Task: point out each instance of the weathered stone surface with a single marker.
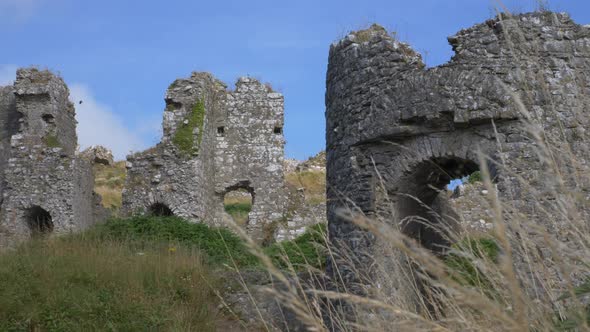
(45, 187)
(98, 155)
(395, 128)
(290, 165)
(306, 199)
(240, 146)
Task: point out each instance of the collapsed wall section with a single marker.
(214, 141)
(9, 124)
(172, 172)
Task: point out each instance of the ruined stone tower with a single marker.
(397, 132)
(44, 187)
(214, 141)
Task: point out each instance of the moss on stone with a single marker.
(183, 138)
(51, 141)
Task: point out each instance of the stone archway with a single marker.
(39, 221)
(238, 202)
(160, 210)
(422, 206)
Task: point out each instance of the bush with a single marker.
(218, 244)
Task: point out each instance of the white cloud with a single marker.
(7, 73)
(99, 125)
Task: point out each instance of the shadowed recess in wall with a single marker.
(39, 221)
(423, 208)
(160, 210)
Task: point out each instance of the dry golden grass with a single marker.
(109, 182)
(311, 182)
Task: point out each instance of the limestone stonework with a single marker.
(236, 143)
(397, 131)
(44, 186)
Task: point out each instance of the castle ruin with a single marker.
(398, 132)
(44, 187)
(214, 142)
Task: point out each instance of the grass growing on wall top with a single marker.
(183, 137)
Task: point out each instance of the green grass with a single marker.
(138, 274)
(219, 245)
(462, 265)
(89, 283)
(183, 138)
(474, 177)
(239, 211)
(306, 250)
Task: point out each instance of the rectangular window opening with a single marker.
(278, 130)
(221, 131)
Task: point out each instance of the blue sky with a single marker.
(120, 56)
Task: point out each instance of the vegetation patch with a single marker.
(183, 138)
(87, 282)
(142, 273)
(307, 250)
(219, 245)
(109, 181)
(51, 141)
(238, 204)
(313, 184)
(239, 211)
(474, 177)
(462, 262)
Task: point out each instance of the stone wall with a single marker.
(397, 131)
(237, 143)
(46, 188)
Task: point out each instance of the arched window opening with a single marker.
(39, 221)
(160, 210)
(423, 206)
(238, 202)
